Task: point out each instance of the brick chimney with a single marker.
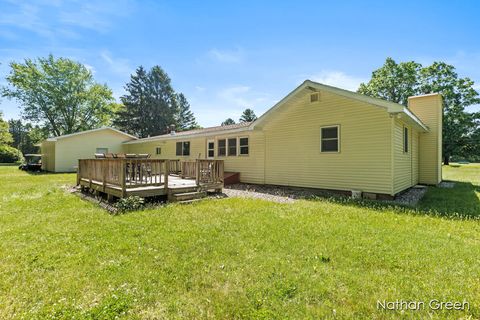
(429, 109)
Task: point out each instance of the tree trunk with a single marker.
(446, 160)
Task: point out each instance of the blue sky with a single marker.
(227, 56)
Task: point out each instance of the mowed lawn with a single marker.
(63, 258)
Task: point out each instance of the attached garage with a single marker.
(61, 154)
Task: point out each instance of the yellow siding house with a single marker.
(322, 137)
(319, 137)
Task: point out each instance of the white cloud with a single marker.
(26, 16)
(227, 102)
(53, 18)
(90, 68)
(227, 56)
(338, 79)
(117, 65)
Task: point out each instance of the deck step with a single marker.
(178, 190)
(188, 196)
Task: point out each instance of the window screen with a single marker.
(329, 137)
(405, 139)
(243, 146)
(232, 146)
(222, 148)
(211, 149)
(182, 148)
(179, 149)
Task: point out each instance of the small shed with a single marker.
(61, 154)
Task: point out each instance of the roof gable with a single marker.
(390, 107)
(90, 131)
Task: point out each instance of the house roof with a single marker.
(391, 107)
(89, 131)
(242, 126)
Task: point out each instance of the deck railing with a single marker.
(124, 173)
(134, 173)
(209, 171)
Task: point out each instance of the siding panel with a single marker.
(293, 154)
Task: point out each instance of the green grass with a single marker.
(64, 258)
(462, 200)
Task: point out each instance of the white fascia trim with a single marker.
(391, 107)
(188, 136)
(88, 131)
(415, 119)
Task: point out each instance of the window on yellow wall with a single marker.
(158, 150)
(232, 146)
(243, 142)
(182, 148)
(329, 137)
(222, 148)
(405, 139)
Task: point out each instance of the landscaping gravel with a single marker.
(411, 196)
(289, 195)
(271, 193)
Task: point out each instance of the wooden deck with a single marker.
(150, 177)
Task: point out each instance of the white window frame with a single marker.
(160, 148)
(96, 150)
(240, 146)
(218, 147)
(338, 138)
(208, 150)
(228, 147)
(182, 142)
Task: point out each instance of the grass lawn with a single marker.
(63, 258)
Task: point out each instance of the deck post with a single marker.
(78, 172)
(197, 172)
(122, 178)
(104, 173)
(90, 174)
(167, 169)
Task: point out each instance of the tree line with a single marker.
(60, 96)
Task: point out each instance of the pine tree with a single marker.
(185, 119)
(248, 116)
(227, 122)
(151, 105)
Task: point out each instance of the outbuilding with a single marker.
(61, 154)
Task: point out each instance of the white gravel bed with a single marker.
(411, 196)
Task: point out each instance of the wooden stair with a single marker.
(186, 194)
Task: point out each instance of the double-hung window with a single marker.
(222, 148)
(330, 139)
(183, 148)
(243, 142)
(232, 146)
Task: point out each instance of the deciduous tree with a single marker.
(60, 94)
(396, 82)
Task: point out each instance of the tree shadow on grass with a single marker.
(463, 199)
(460, 202)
